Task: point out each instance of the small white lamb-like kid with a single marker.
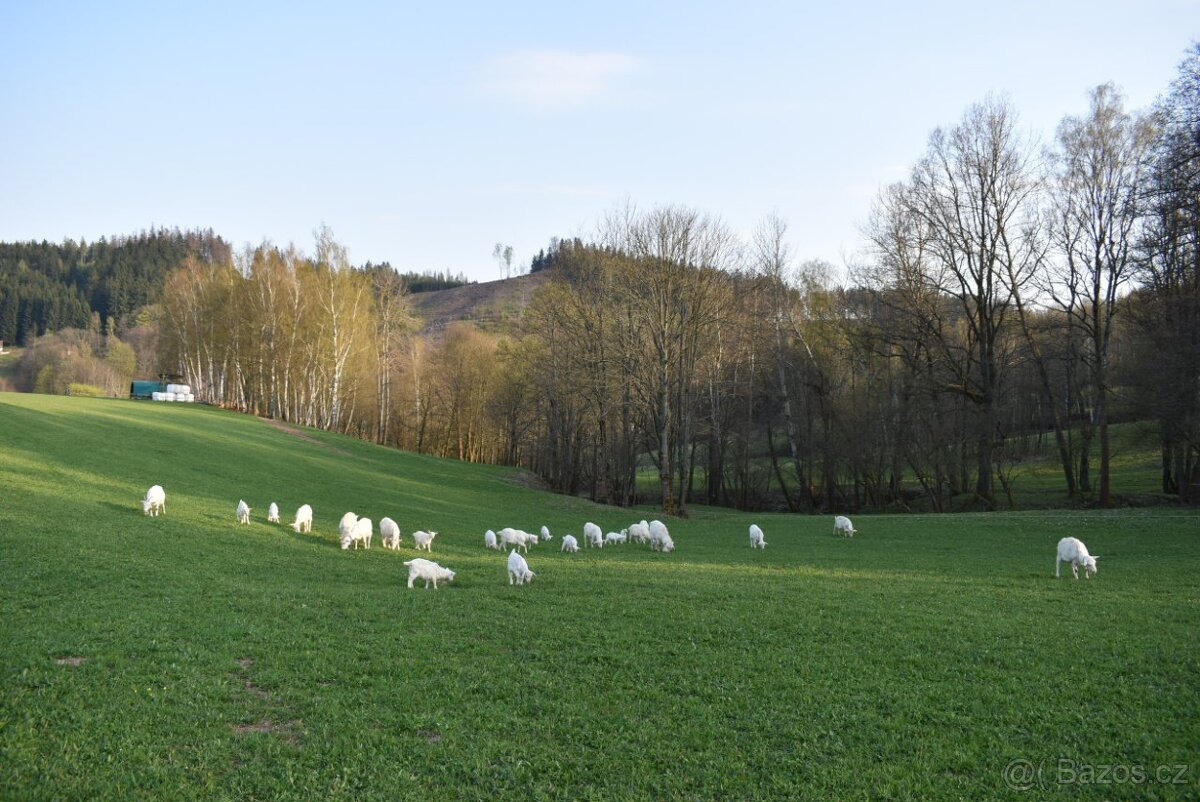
(243, 512)
(429, 571)
(546, 533)
(273, 513)
(346, 525)
(423, 540)
(756, 537)
(569, 543)
(361, 533)
(1071, 550)
(592, 535)
(489, 540)
(614, 537)
(842, 526)
(389, 533)
(518, 569)
(155, 501)
(303, 522)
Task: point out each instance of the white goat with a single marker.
(1071, 550)
(756, 537)
(658, 535)
(429, 571)
(303, 522)
(346, 525)
(155, 501)
(516, 537)
(518, 569)
(615, 537)
(389, 533)
(361, 533)
(546, 533)
(592, 535)
(640, 532)
(273, 513)
(569, 543)
(842, 526)
(423, 540)
(243, 512)
(489, 540)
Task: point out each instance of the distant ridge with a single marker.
(494, 306)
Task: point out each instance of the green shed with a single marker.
(145, 389)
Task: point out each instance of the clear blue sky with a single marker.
(423, 134)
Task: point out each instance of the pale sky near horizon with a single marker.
(424, 134)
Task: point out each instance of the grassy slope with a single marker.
(224, 662)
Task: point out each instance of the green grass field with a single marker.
(187, 657)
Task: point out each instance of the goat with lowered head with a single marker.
(304, 516)
(155, 501)
(1071, 550)
(518, 569)
(429, 571)
(360, 533)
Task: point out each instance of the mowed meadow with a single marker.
(188, 657)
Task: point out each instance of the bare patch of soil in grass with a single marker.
(70, 661)
(303, 435)
(287, 730)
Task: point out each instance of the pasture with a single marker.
(187, 657)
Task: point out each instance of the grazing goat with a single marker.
(273, 513)
(516, 537)
(429, 571)
(659, 535)
(346, 525)
(1071, 550)
(518, 569)
(489, 540)
(423, 540)
(155, 501)
(243, 512)
(756, 537)
(592, 535)
(389, 533)
(569, 543)
(303, 522)
(546, 533)
(640, 532)
(361, 533)
(615, 537)
(842, 526)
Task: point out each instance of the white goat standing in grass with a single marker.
(569, 544)
(489, 540)
(273, 513)
(346, 525)
(243, 512)
(304, 518)
(1071, 550)
(592, 535)
(842, 526)
(155, 501)
(361, 533)
(546, 533)
(429, 571)
(389, 533)
(423, 540)
(518, 569)
(756, 537)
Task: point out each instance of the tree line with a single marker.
(1007, 293)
